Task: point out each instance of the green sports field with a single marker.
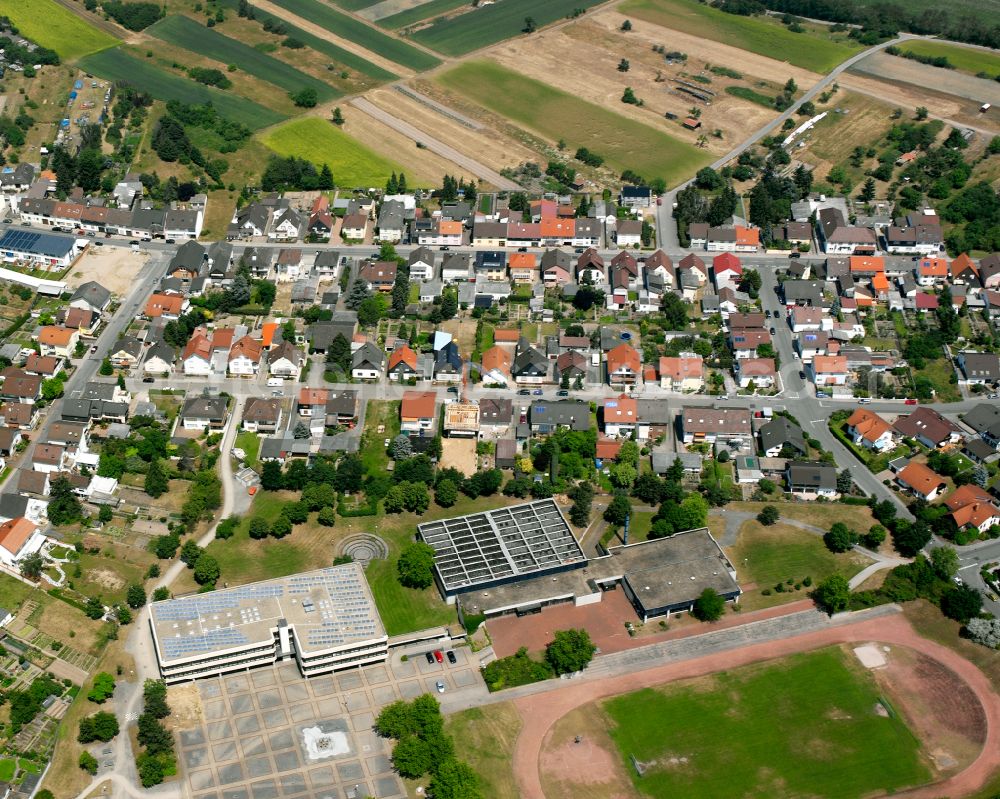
(185, 32)
(494, 23)
(50, 25)
(354, 30)
(965, 59)
(118, 65)
(419, 13)
(622, 142)
(802, 726)
(765, 36)
(322, 142)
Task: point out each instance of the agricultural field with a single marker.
(354, 5)
(50, 25)
(419, 13)
(184, 32)
(118, 65)
(966, 59)
(623, 143)
(817, 52)
(321, 142)
(986, 10)
(490, 24)
(805, 725)
(363, 35)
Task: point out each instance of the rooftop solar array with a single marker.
(326, 608)
(17, 240)
(502, 544)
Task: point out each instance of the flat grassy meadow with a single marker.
(117, 65)
(363, 35)
(322, 142)
(490, 24)
(964, 59)
(50, 25)
(805, 725)
(765, 36)
(622, 142)
(184, 32)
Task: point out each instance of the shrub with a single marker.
(984, 631)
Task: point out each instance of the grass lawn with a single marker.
(484, 738)
(939, 372)
(746, 93)
(493, 23)
(7, 766)
(117, 65)
(354, 30)
(624, 143)
(765, 556)
(13, 593)
(322, 142)
(420, 13)
(964, 59)
(801, 726)
(53, 26)
(378, 413)
(638, 528)
(185, 32)
(250, 444)
(762, 35)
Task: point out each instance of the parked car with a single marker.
(537, 392)
(821, 395)
(767, 314)
(562, 393)
(524, 393)
(772, 331)
(912, 401)
(429, 656)
(148, 380)
(438, 656)
(865, 400)
(794, 255)
(440, 686)
(802, 375)
(452, 389)
(994, 396)
(170, 241)
(451, 657)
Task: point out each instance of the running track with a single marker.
(541, 711)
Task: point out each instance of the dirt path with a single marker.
(541, 711)
(323, 33)
(434, 145)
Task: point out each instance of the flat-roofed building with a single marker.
(461, 419)
(324, 619)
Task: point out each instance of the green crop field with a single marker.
(965, 59)
(746, 93)
(330, 50)
(321, 142)
(50, 25)
(118, 65)
(354, 30)
(622, 142)
(494, 23)
(185, 32)
(354, 5)
(987, 11)
(764, 36)
(801, 726)
(419, 13)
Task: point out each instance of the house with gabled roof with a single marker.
(262, 414)
(530, 365)
(921, 481)
(418, 411)
(244, 357)
(973, 507)
(964, 271)
(928, 427)
(196, 357)
(620, 415)
(285, 360)
(867, 429)
(402, 363)
(624, 366)
(496, 363)
(590, 268)
(367, 362)
(682, 373)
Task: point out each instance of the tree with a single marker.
(874, 537)
(206, 570)
(401, 447)
(867, 193)
(618, 510)
(135, 597)
(156, 482)
(623, 475)
(415, 567)
(271, 478)
(921, 114)
(623, 65)
(301, 430)
(985, 632)
(102, 689)
(94, 608)
(844, 482)
(626, 26)
(833, 594)
(790, 86)
(945, 562)
(768, 515)
(628, 96)
(101, 726)
(88, 762)
(909, 539)
(960, 602)
(840, 538)
(64, 507)
(648, 488)
(446, 493)
(153, 735)
(412, 757)
(150, 771)
(709, 606)
(327, 517)
(281, 527)
(454, 779)
(570, 651)
(106, 368)
(105, 514)
(259, 528)
(582, 496)
(305, 98)
(32, 565)
(154, 698)
(530, 26)
(190, 553)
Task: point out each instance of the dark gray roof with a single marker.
(528, 360)
(94, 294)
(368, 354)
(984, 418)
(212, 408)
(575, 415)
(447, 359)
(809, 474)
(779, 432)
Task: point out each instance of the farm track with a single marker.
(435, 145)
(542, 710)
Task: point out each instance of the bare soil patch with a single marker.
(114, 268)
(590, 769)
(106, 579)
(185, 705)
(459, 453)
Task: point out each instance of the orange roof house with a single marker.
(246, 347)
(506, 336)
(198, 345)
(620, 410)
(164, 305)
(448, 227)
(932, 267)
(497, 359)
(963, 263)
(267, 332)
(556, 228)
(313, 396)
(608, 449)
(830, 364)
(403, 355)
(522, 260)
(418, 405)
(747, 236)
(56, 336)
(880, 283)
(867, 264)
(15, 533)
(868, 424)
(921, 480)
(971, 506)
(624, 358)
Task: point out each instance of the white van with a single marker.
(275, 381)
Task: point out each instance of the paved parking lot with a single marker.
(250, 743)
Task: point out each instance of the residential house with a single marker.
(523, 268)
(964, 271)
(159, 360)
(355, 227)
(495, 416)
(707, 425)
(457, 268)
(448, 364)
(588, 232)
(915, 235)
(496, 366)
(628, 233)
(866, 428)
(621, 415)
(572, 366)
(91, 296)
(624, 367)
(804, 318)
(748, 343)
(402, 363)
(196, 357)
(624, 271)
(745, 321)
(249, 221)
(989, 271)
(418, 412)
(262, 414)
(973, 507)
(10, 438)
(45, 366)
(836, 237)
(367, 362)
(285, 360)
(929, 428)
(19, 538)
(378, 275)
(244, 357)
(590, 268)
(341, 408)
(19, 415)
(984, 419)
(49, 458)
(58, 341)
(312, 402)
(782, 435)
(201, 413)
(19, 386)
(979, 368)
(555, 268)
(286, 225)
(422, 263)
(809, 479)
(530, 366)
(727, 271)
(546, 416)
(391, 221)
(828, 370)
(635, 197)
(126, 352)
(755, 372)
(920, 481)
(168, 306)
(931, 271)
(683, 373)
